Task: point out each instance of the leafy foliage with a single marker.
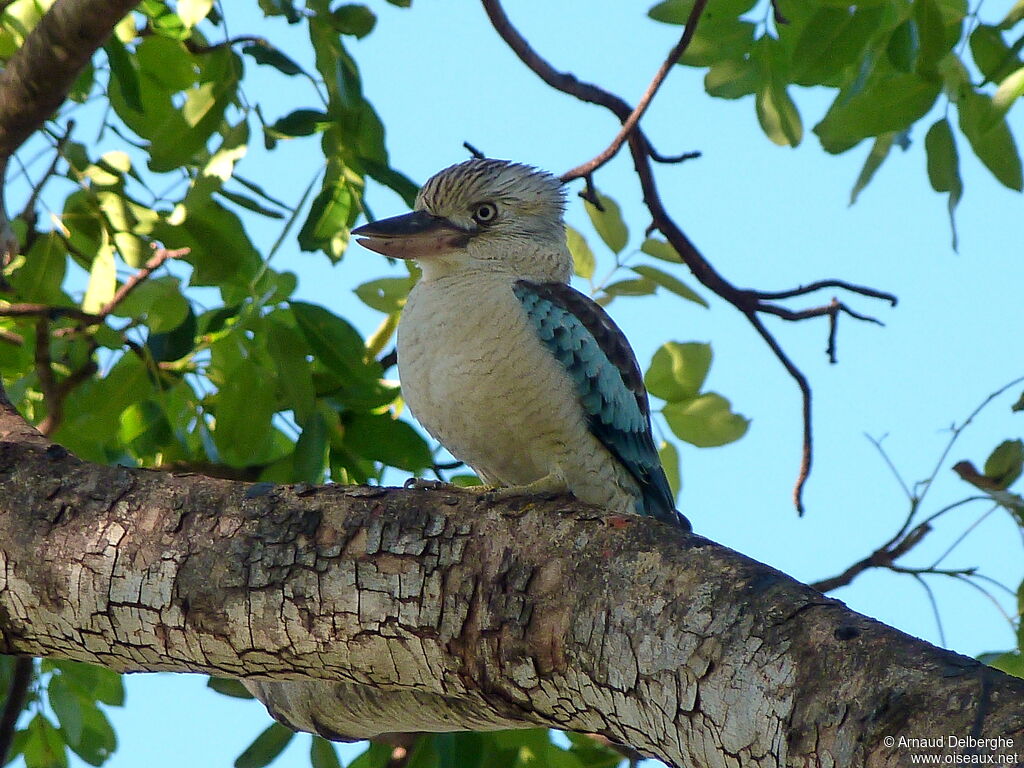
(888, 64)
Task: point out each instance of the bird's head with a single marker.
(478, 215)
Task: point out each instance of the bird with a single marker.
(516, 373)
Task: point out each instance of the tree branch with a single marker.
(37, 78)
(354, 611)
(588, 168)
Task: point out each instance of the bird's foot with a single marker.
(548, 487)
(422, 484)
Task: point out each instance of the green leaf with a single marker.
(330, 216)
(262, 52)
(98, 740)
(102, 281)
(734, 78)
(994, 57)
(990, 138)
(902, 47)
(776, 111)
(244, 407)
(322, 754)
(334, 341)
(640, 286)
(158, 302)
(43, 746)
(175, 343)
(668, 455)
(678, 371)
(608, 222)
(92, 681)
(659, 249)
(300, 122)
(379, 437)
(583, 261)
(670, 283)
(678, 11)
(221, 252)
(65, 704)
(705, 421)
(931, 33)
(944, 167)
(39, 275)
(353, 19)
(879, 152)
(1004, 464)
(144, 428)
(889, 102)
(377, 755)
(288, 349)
(124, 73)
(386, 294)
(229, 686)
(310, 456)
(832, 40)
(267, 746)
(720, 33)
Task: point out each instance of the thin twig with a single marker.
(587, 169)
(51, 312)
(935, 607)
(157, 260)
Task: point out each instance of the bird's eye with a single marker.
(485, 213)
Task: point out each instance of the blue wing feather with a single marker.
(598, 359)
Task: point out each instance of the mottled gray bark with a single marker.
(396, 610)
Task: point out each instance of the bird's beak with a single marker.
(415, 235)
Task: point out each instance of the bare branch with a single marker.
(587, 169)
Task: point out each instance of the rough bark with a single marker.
(37, 78)
(402, 610)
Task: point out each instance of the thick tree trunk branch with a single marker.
(420, 610)
(37, 78)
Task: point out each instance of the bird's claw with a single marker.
(422, 484)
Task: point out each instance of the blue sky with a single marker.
(767, 218)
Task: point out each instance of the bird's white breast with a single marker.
(477, 377)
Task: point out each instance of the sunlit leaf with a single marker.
(705, 421)
(668, 454)
(102, 281)
(608, 222)
(583, 260)
(670, 283)
(677, 371)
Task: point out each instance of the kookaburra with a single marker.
(517, 374)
